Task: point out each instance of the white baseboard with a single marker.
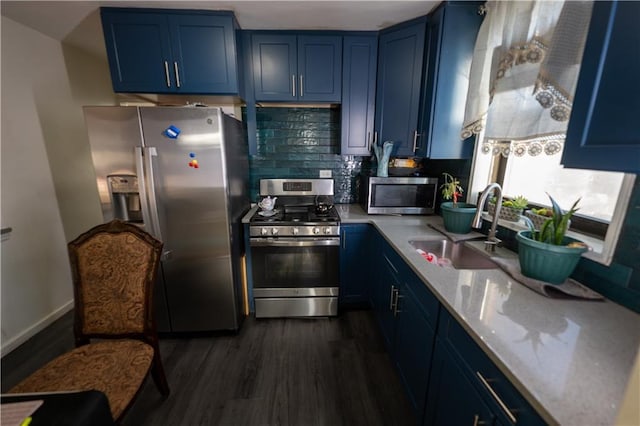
(16, 341)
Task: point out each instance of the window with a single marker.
(604, 196)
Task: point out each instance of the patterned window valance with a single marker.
(523, 75)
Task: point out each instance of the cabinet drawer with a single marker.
(497, 391)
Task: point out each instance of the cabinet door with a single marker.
(359, 66)
(355, 264)
(398, 87)
(451, 37)
(138, 49)
(414, 347)
(453, 400)
(319, 68)
(385, 284)
(275, 67)
(603, 133)
(204, 54)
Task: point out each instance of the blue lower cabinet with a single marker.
(355, 264)
(453, 400)
(414, 347)
(460, 373)
(405, 309)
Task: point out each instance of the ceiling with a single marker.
(77, 23)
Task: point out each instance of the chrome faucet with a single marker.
(492, 241)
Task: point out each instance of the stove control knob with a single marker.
(327, 230)
(274, 231)
(316, 230)
(295, 231)
(263, 231)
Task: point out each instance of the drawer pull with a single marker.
(495, 396)
(477, 421)
(392, 298)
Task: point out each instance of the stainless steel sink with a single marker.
(458, 255)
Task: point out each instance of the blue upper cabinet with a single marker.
(400, 54)
(275, 67)
(298, 68)
(359, 65)
(451, 35)
(168, 51)
(603, 132)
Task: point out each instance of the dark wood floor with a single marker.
(329, 371)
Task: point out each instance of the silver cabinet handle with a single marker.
(175, 68)
(395, 307)
(477, 421)
(415, 140)
(495, 396)
(344, 241)
(301, 85)
(392, 298)
(375, 138)
(293, 85)
(166, 73)
(368, 141)
(391, 264)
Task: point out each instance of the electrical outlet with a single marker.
(325, 173)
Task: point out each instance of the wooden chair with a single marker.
(114, 267)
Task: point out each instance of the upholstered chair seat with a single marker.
(116, 368)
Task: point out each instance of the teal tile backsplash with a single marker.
(298, 143)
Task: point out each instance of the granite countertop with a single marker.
(571, 359)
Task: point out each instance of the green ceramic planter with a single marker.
(458, 219)
(546, 262)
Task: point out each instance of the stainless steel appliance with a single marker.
(295, 250)
(180, 173)
(398, 195)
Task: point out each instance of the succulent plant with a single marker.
(553, 229)
(518, 202)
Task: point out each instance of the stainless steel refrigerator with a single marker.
(182, 174)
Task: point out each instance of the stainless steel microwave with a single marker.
(398, 195)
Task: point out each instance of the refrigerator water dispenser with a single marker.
(125, 197)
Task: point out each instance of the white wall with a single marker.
(48, 193)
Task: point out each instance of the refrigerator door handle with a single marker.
(142, 188)
(149, 153)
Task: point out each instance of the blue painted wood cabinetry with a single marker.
(451, 35)
(407, 313)
(466, 387)
(359, 64)
(453, 400)
(303, 68)
(355, 264)
(400, 54)
(171, 51)
(603, 130)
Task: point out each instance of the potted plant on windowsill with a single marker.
(548, 254)
(511, 209)
(457, 216)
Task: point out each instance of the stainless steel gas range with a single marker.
(295, 250)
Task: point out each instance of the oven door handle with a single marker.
(294, 242)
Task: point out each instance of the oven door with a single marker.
(295, 276)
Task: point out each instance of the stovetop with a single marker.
(295, 215)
